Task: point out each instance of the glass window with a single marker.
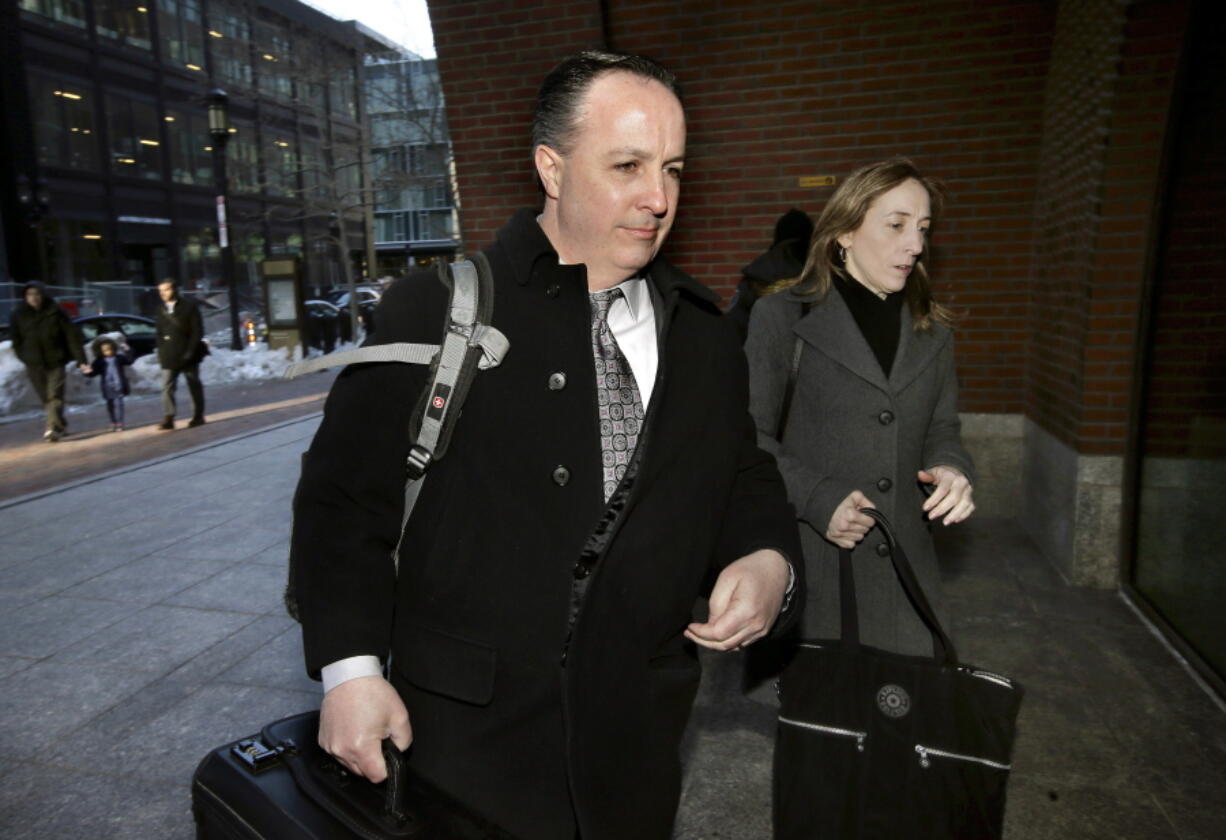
(71, 12)
(343, 85)
(135, 137)
(75, 252)
(138, 328)
(182, 33)
(280, 165)
(347, 172)
(191, 149)
(243, 159)
(311, 168)
(124, 21)
(64, 132)
(273, 60)
(230, 40)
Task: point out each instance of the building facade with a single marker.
(411, 163)
(110, 167)
(1080, 143)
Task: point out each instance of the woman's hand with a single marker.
(951, 497)
(848, 526)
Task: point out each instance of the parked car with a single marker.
(368, 299)
(139, 332)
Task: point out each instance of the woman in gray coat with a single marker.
(873, 419)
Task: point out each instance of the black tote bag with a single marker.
(875, 744)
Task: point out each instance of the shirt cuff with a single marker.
(351, 668)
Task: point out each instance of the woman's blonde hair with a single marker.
(845, 213)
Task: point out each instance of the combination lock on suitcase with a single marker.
(281, 785)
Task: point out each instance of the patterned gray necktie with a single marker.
(617, 394)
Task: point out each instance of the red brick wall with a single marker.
(981, 94)
(492, 55)
(1108, 93)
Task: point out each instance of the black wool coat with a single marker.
(45, 337)
(479, 617)
(180, 336)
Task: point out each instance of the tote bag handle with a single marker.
(942, 647)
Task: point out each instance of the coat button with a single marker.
(582, 570)
(552, 289)
(884, 485)
(885, 418)
(561, 476)
(557, 381)
(883, 549)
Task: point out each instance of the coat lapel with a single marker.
(830, 328)
(915, 352)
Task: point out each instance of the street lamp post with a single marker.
(219, 130)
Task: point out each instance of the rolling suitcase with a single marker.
(281, 785)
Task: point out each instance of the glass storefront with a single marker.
(1181, 459)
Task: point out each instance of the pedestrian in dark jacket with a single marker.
(180, 348)
(45, 340)
(109, 364)
(782, 261)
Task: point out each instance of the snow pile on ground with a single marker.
(222, 366)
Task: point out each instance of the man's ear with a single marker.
(549, 168)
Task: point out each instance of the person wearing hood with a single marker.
(782, 261)
(45, 340)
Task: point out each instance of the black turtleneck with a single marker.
(879, 320)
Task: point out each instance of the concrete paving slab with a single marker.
(277, 664)
(147, 580)
(48, 700)
(1042, 811)
(156, 639)
(10, 602)
(44, 802)
(59, 570)
(248, 587)
(225, 653)
(276, 554)
(53, 623)
(170, 745)
(14, 664)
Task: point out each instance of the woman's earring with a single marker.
(842, 254)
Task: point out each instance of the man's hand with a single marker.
(952, 495)
(85, 369)
(744, 602)
(847, 525)
(354, 719)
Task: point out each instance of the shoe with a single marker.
(119, 427)
(168, 423)
(47, 434)
(195, 421)
(52, 437)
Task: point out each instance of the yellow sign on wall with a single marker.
(816, 180)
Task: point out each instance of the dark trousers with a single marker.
(170, 381)
(114, 407)
(48, 383)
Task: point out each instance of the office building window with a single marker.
(273, 60)
(200, 258)
(64, 132)
(191, 149)
(230, 41)
(280, 165)
(182, 33)
(311, 167)
(124, 21)
(347, 171)
(135, 137)
(243, 159)
(75, 252)
(71, 12)
(344, 99)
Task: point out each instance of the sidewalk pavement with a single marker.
(141, 625)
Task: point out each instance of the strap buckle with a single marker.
(418, 462)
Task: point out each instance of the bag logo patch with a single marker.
(893, 701)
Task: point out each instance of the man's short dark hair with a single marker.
(553, 123)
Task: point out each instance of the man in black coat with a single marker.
(539, 626)
(45, 340)
(180, 342)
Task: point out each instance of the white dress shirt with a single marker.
(632, 320)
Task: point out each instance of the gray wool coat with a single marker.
(851, 428)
